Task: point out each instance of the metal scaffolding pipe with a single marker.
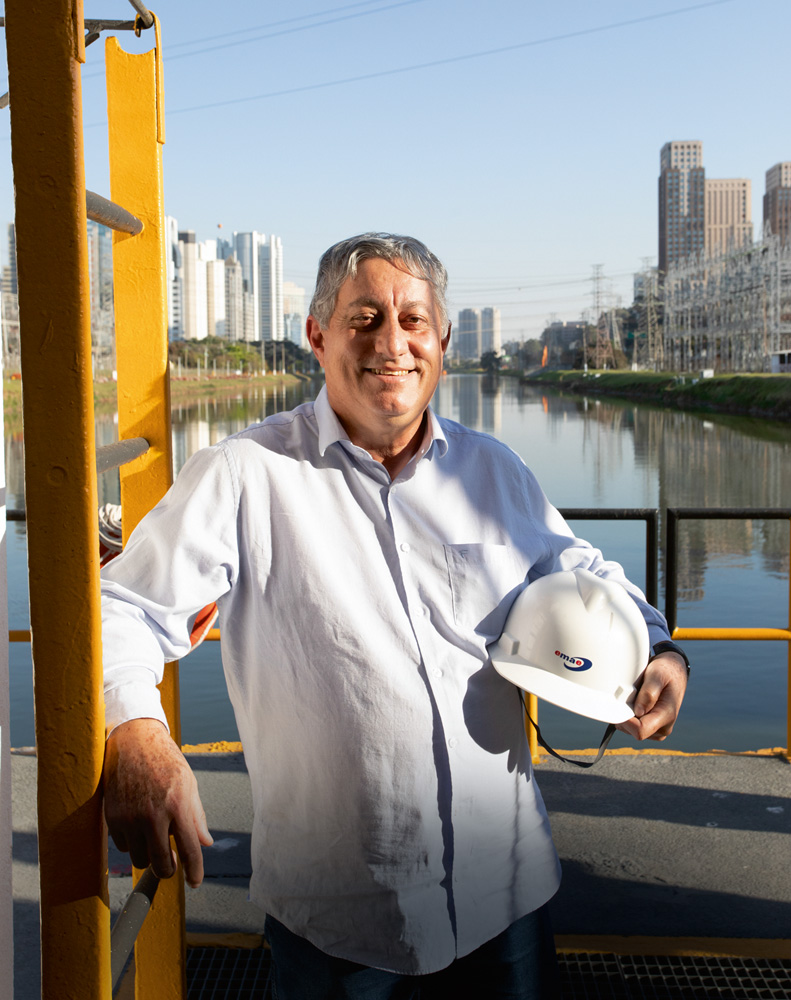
(113, 216)
(145, 14)
(130, 920)
(112, 455)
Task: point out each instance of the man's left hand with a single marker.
(659, 698)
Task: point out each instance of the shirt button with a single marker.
(452, 742)
(436, 672)
(405, 546)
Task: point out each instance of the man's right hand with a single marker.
(150, 793)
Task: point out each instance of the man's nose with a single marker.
(391, 338)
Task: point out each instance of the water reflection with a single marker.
(604, 453)
(586, 453)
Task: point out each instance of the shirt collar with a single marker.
(331, 429)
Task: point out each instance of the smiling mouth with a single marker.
(390, 371)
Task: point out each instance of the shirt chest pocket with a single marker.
(484, 580)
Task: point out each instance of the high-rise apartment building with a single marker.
(225, 288)
(234, 299)
(9, 271)
(681, 201)
(728, 214)
(175, 290)
(247, 248)
(491, 335)
(777, 201)
(270, 286)
(215, 297)
(193, 285)
(468, 338)
(9, 301)
(294, 313)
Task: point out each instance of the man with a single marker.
(363, 554)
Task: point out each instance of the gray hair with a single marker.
(341, 261)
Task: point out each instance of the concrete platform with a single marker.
(652, 845)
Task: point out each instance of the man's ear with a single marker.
(315, 338)
(446, 339)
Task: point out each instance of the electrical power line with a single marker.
(274, 34)
(483, 53)
(274, 24)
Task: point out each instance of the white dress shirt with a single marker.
(397, 820)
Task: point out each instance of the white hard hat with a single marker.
(577, 641)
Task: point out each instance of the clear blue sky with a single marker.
(521, 166)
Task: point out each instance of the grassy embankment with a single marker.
(747, 395)
(183, 390)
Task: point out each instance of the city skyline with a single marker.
(571, 101)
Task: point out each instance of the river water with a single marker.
(586, 452)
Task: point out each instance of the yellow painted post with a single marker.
(136, 134)
(532, 739)
(45, 48)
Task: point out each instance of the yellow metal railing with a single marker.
(45, 46)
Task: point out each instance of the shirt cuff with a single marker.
(134, 699)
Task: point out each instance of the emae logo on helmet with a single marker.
(574, 662)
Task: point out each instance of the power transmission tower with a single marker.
(602, 354)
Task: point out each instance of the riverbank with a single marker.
(182, 390)
(744, 395)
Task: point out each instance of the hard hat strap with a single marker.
(608, 734)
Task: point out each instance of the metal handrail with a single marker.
(676, 514)
(648, 514)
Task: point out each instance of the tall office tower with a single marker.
(234, 299)
(270, 289)
(777, 201)
(294, 313)
(215, 297)
(175, 290)
(681, 202)
(468, 340)
(224, 248)
(247, 247)
(728, 214)
(491, 337)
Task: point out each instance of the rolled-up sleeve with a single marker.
(182, 556)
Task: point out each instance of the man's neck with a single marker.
(394, 455)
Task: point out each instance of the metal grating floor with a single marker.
(243, 974)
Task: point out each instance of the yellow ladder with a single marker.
(46, 45)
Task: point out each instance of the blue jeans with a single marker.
(519, 964)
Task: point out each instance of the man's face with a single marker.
(382, 354)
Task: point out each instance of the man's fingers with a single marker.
(659, 699)
(189, 848)
(160, 856)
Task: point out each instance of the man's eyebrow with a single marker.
(364, 300)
